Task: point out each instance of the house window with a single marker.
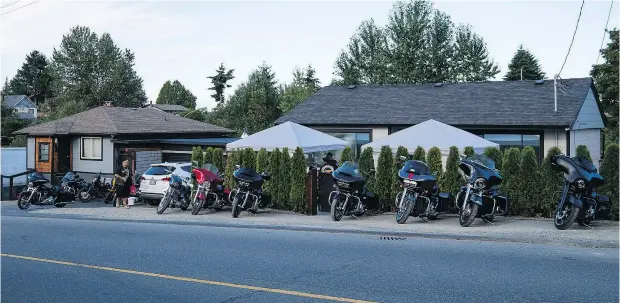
(44, 152)
(356, 139)
(31, 111)
(519, 141)
(91, 148)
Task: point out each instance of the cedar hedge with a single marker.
(262, 160)
(609, 171)
(451, 180)
(216, 158)
(297, 194)
(468, 151)
(419, 154)
(271, 187)
(367, 166)
(284, 182)
(208, 158)
(528, 183)
(397, 165)
(433, 159)
(494, 154)
(346, 155)
(383, 183)
(582, 151)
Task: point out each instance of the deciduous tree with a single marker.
(175, 93)
(606, 80)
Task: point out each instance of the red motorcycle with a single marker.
(210, 189)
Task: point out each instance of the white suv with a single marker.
(155, 180)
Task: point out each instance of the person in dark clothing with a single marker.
(123, 183)
(329, 160)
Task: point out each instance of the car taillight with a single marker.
(166, 179)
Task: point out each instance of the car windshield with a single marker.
(158, 170)
(416, 167)
(482, 160)
(349, 168)
(210, 167)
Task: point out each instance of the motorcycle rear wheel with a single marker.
(164, 202)
(467, 219)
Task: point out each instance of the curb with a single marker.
(373, 232)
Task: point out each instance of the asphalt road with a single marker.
(208, 264)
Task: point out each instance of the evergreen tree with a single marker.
(529, 178)
(524, 66)
(175, 93)
(195, 114)
(434, 161)
(284, 181)
(383, 183)
(609, 171)
(297, 195)
(471, 60)
(216, 157)
(606, 80)
(551, 182)
(271, 187)
(419, 154)
(451, 180)
(397, 165)
(10, 121)
(582, 151)
(346, 155)
(220, 82)
(262, 160)
(232, 159)
(33, 79)
(510, 173)
(494, 154)
(197, 156)
(249, 158)
(367, 167)
(469, 151)
(208, 155)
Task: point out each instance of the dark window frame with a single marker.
(82, 149)
(356, 131)
(39, 159)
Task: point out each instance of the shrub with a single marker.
(609, 171)
(197, 156)
(582, 151)
(233, 158)
(494, 154)
(451, 180)
(297, 194)
(366, 166)
(419, 154)
(468, 151)
(284, 181)
(271, 187)
(433, 159)
(346, 155)
(262, 160)
(528, 183)
(249, 158)
(217, 158)
(396, 166)
(208, 155)
(510, 173)
(551, 183)
(384, 177)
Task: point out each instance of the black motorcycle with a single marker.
(178, 194)
(96, 189)
(249, 192)
(73, 184)
(351, 193)
(479, 198)
(38, 193)
(420, 196)
(579, 201)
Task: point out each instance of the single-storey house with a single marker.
(510, 113)
(169, 108)
(23, 106)
(98, 139)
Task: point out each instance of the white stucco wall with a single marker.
(380, 133)
(588, 137)
(550, 140)
(106, 165)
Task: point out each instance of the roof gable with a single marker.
(25, 102)
(480, 103)
(589, 115)
(13, 100)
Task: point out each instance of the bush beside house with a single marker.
(451, 181)
(433, 159)
(217, 158)
(271, 187)
(528, 181)
(297, 194)
(232, 160)
(510, 174)
(397, 165)
(419, 154)
(284, 182)
(494, 154)
(262, 160)
(609, 171)
(468, 151)
(582, 151)
(367, 166)
(346, 155)
(208, 156)
(551, 182)
(383, 183)
(249, 158)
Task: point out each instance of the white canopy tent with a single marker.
(430, 134)
(291, 135)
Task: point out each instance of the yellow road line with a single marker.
(148, 274)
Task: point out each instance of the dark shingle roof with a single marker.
(122, 120)
(481, 103)
(171, 107)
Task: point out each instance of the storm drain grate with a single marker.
(392, 238)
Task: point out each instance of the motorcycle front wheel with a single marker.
(336, 212)
(236, 208)
(402, 214)
(197, 205)
(468, 214)
(164, 202)
(24, 201)
(566, 216)
(84, 195)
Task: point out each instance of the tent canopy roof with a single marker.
(290, 135)
(430, 134)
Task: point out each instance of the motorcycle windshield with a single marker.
(585, 164)
(36, 176)
(482, 160)
(350, 169)
(416, 167)
(69, 177)
(210, 167)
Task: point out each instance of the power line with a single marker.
(31, 3)
(604, 33)
(10, 4)
(572, 40)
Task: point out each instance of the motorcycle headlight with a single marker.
(480, 183)
(412, 183)
(580, 184)
(30, 184)
(207, 184)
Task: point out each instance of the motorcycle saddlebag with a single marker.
(603, 208)
(503, 204)
(371, 201)
(446, 202)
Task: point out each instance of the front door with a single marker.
(62, 155)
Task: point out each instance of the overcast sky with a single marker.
(187, 40)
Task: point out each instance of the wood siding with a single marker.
(43, 167)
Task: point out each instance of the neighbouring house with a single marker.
(98, 139)
(510, 113)
(24, 107)
(169, 108)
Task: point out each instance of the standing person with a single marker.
(123, 182)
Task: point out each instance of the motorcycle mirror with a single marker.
(403, 158)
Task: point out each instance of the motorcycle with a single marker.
(111, 194)
(420, 196)
(479, 198)
(96, 189)
(38, 193)
(178, 194)
(73, 184)
(248, 194)
(579, 201)
(350, 194)
(210, 189)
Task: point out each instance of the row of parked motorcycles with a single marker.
(211, 194)
(479, 196)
